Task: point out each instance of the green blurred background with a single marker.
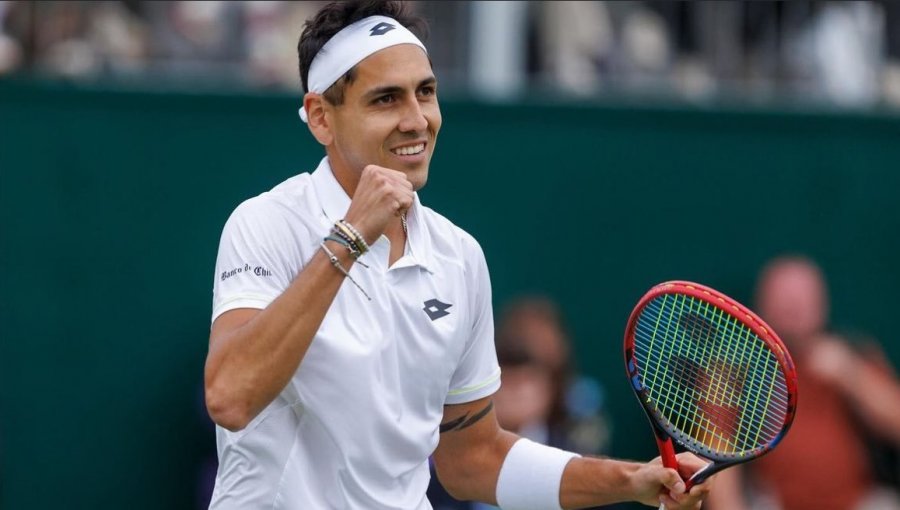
(112, 203)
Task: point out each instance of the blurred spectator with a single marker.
(576, 419)
(526, 397)
(846, 400)
(845, 53)
(10, 49)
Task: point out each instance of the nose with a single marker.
(414, 119)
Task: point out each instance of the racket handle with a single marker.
(667, 452)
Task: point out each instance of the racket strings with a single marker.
(709, 375)
(715, 404)
(722, 417)
(723, 371)
(715, 418)
(733, 375)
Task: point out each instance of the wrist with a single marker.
(341, 250)
(362, 228)
(344, 231)
(531, 476)
(632, 480)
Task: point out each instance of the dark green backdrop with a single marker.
(112, 204)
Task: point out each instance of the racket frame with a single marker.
(664, 439)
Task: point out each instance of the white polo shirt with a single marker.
(356, 424)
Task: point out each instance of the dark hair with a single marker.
(511, 328)
(332, 18)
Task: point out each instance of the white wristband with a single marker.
(531, 475)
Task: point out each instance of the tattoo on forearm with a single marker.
(464, 420)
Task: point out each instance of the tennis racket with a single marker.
(710, 375)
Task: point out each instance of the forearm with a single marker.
(588, 482)
(247, 367)
(877, 398)
(471, 474)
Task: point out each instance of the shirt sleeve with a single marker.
(253, 265)
(478, 374)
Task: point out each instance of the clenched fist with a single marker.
(381, 195)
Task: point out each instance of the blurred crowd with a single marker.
(845, 53)
(841, 452)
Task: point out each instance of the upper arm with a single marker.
(223, 329)
(227, 323)
(471, 450)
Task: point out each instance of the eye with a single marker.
(427, 90)
(385, 99)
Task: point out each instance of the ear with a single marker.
(316, 118)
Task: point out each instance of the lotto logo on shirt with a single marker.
(257, 270)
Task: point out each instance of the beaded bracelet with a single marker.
(343, 232)
(337, 232)
(357, 237)
(337, 264)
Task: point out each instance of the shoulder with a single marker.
(285, 212)
(289, 194)
(290, 197)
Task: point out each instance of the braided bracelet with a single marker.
(343, 241)
(337, 264)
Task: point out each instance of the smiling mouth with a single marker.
(410, 150)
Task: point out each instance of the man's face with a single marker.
(390, 116)
(792, 298)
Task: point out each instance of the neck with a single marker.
(346, 176)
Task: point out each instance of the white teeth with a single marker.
(408, 151)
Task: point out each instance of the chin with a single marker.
(418, 182)
(417, 175)
(420, 177)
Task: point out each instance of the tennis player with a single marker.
(352, 333)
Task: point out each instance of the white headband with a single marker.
(350, 46)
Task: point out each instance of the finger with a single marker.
(670, 504)
(699, 492)
(688, 464)
(369, 170)
(396, 175)
(692, 499)
(667, 503)
(672, 481)
(406, 198)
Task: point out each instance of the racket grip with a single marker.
(667, 452)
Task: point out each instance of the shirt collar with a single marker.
(335, 203)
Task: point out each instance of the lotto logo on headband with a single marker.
(381, 29)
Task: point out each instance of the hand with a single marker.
(834, 362)
(381, 195)
(658, 484)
